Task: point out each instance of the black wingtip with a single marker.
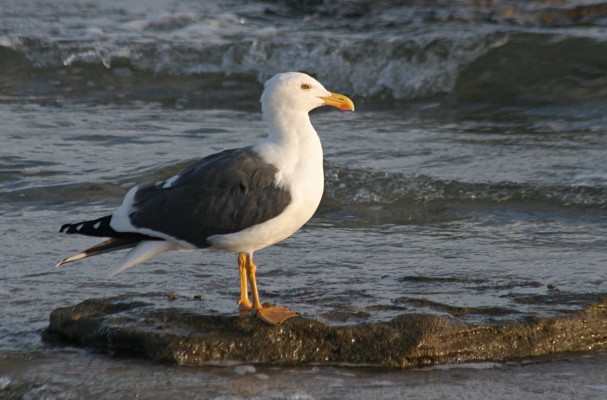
(99, 227)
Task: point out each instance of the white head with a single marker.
(296, 91)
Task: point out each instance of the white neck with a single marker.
(292, 144)
(286, 124)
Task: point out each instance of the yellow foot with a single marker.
(275, 315)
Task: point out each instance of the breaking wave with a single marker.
(474, 65)
(355, 186)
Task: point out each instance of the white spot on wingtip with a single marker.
(97, 225)
(169, 182)
(79, 227)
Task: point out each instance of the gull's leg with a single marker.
(251, 271)
(273, 315)
(244, 302)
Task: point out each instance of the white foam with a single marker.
(590, 179)
(244, 369)
(10, 42)
(94, 33)
(5, 381)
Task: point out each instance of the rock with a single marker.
(130, 324)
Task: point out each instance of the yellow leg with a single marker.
(244, 302)
(251, 271)
(271, 314)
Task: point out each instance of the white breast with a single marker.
(300, 163)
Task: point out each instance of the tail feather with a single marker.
(144, 246)
(110, 245)
(143, 251)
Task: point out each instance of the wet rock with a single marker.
(139, 325)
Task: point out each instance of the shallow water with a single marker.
(54, 377)
(470, 178)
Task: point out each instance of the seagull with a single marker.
(238, 200)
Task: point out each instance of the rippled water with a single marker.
(471, 181)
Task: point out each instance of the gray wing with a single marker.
(222, 193)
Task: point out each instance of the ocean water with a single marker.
(471, 181)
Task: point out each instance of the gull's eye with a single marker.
(306, 86)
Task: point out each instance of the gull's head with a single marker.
(300, 92)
